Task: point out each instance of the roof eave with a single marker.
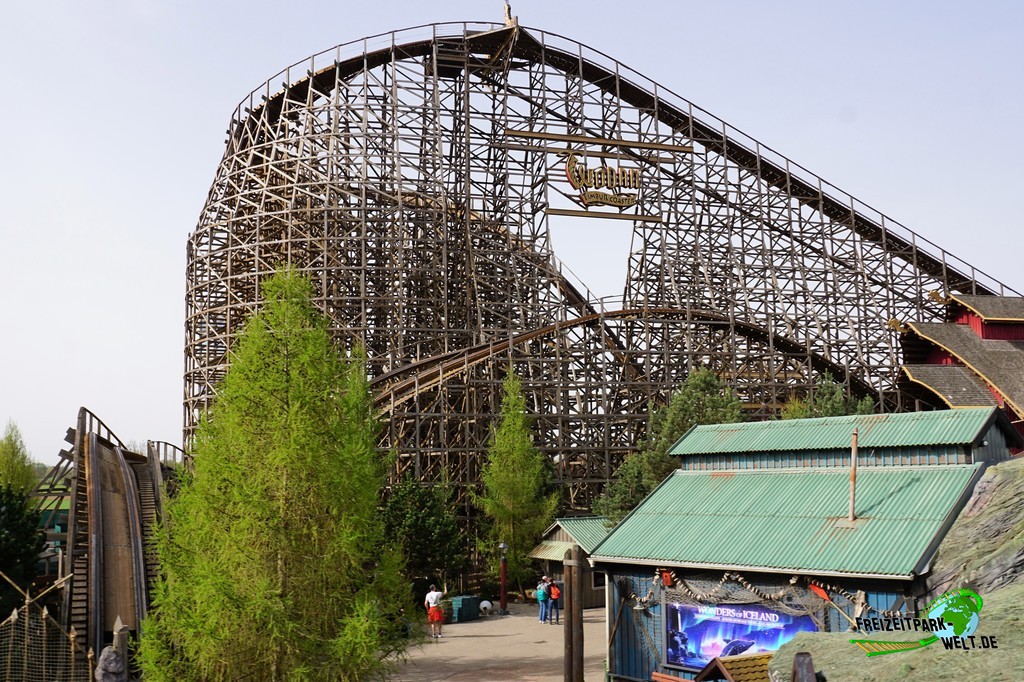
(924, 563)
(1007, 399)
(598, 559)
(981, 315)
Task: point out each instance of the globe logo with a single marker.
(959, 611)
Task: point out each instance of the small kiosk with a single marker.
(585, 531)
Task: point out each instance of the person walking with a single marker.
(435, 614)
(543, 598)
(554, 594)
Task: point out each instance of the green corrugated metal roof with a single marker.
(786, 520)
(587, 531)
(550, 550)
(942, 427)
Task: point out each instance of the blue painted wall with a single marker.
(638, 641)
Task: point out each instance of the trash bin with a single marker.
(465, 608)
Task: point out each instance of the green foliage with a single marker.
(421, 520)
(515, 482)
(827, 400)
(627, 489)
(701, 399)
(21, 541)
(865, 405)
(16, 466)
(273, 554)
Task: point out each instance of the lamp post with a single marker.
(503, 602)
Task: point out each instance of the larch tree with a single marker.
(273, 559)
(516, 480)
(701, 399)
(16, 466)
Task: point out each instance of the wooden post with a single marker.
(72, 636)
(803, 668)
(13, 620)
(46, 659)
(853, 474)
(574, 570)
(24, 660)
(568, 660)
(121, 641)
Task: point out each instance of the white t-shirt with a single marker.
(434, 598)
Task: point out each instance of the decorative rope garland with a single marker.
(777, 599)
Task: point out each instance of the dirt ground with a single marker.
(512, 647)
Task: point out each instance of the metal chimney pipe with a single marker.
(853, 473)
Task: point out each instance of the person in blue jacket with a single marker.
(543, 598)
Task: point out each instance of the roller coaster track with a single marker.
(415, 378)
(114, 508)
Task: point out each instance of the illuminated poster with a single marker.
(696, 634)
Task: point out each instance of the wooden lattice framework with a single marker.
(415, 176)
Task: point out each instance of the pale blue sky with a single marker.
(113, 112)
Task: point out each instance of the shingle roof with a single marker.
(1000, 363)
(794, 520)
(941, 427)
(994, 308)
(742, 668)
(956, 385)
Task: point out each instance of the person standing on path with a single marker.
(435, 614)
(554, 594)
(543, 598)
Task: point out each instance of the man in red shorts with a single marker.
(435, 615)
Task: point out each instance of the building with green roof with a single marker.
(560, 537)
(961, 436)
(752, 540)
(795, 521)
(710, 558)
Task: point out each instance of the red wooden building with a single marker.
(975, 358)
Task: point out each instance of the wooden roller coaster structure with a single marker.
(112, 497)
(417, 178)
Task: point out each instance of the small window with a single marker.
(597, 580)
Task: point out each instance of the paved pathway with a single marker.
(499, 648)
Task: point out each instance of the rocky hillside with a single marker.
(984, 550)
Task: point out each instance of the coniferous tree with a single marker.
(701, 399)
(421, 519)
(16, 466)
(21, 541)
(827, 400)
(515, 484)
(273, 555)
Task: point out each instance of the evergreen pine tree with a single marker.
(701, 399)
(21, 541)
(515, 482)
(827, 400)
(421, 519)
